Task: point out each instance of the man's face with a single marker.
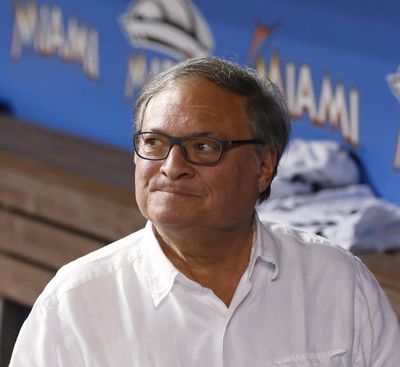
(176, 194)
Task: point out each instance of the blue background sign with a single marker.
(77, 66)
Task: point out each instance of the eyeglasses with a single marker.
(195, 149)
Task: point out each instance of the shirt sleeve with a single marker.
(41, 342)
(377, 331)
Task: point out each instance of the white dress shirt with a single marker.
(300, 303)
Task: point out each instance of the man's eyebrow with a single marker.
(202, 133)
(156, 131)
(195, 134)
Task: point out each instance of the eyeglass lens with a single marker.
(195, 149)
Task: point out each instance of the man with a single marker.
(206, 283)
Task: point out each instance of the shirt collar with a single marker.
(264, 248)
(161, 273)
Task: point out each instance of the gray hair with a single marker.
(266, 108)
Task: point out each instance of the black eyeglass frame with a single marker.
(224, 146)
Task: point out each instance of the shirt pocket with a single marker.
(333, 358)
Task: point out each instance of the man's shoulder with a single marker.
(98, 264)
(308, 259)
(309, 247)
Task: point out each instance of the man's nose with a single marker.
(175, 166)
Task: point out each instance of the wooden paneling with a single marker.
(60, 197)
(48, 246)
(101, 162)
(80, 203)
(21, 282)
(386, 268)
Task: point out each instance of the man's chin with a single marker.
(177, 219)
(173, 226)
(178, 196)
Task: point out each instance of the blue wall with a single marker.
(351, 44)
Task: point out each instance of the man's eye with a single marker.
(153, 141)
(206, 146)
(201, 147)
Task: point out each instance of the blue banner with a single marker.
(77, 66)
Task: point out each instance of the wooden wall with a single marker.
(60, 198)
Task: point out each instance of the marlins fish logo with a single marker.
(174, 27)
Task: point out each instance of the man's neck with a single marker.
(214, 259)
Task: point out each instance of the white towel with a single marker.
(350, 217)
(310, 165)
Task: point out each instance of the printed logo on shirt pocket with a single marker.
(334, 358)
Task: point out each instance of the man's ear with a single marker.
(267, 169)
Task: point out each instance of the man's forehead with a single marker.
(196, 95)
(202, 117)
(196, 105)
(176, 109)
